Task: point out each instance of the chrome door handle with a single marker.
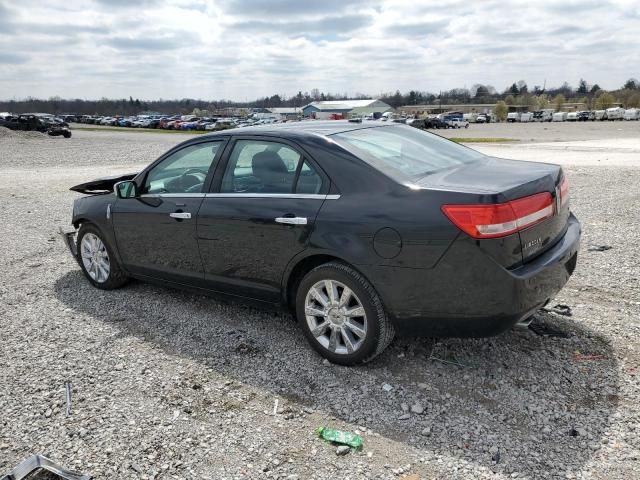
(181, 215)
(292, 220)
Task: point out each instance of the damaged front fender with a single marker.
(101, 185)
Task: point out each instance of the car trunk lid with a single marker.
(500, 182)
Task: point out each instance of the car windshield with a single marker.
(405, 153)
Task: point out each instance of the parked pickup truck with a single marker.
(457, 123)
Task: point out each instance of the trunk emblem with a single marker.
(532, 243)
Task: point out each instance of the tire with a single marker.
(376, 330)
(115, 277)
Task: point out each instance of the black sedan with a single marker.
(362, 230)
(436, 123)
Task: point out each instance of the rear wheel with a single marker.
(341, 315)
(97, 260)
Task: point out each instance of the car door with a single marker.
(259, 215)
(156, 231)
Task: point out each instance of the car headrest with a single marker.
(267, 163)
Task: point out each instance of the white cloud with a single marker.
(242, 49)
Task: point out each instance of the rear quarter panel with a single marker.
(369, 202)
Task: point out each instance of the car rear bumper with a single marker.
(467, 294)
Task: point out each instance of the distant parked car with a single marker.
(416, 123)
(457, 123)
(542, 116)
(526, 117)
(632, 114)
(513, 117)
(435, 123)
(482, 118)
(600, 115)
(38, 123)
(572, 116)
(615, 113)
(559, 117)
(586, 115)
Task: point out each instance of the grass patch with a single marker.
(482, 140)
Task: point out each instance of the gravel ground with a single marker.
(171, 385)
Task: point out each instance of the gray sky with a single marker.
(242, 49)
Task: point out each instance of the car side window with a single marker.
(184, 171)
(257, 166)
(308, 181)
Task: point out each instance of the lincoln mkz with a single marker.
(361, 230)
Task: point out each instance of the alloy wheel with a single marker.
(95, 257)
(336, 317)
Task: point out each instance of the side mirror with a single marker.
(126, 189)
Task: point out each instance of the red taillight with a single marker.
(500, 219)
(564, 192)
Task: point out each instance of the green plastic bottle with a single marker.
(337, 436)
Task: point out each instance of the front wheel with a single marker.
(342, 316)
(97, 261)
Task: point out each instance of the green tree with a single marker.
(396, 100)
(522, 87)
(514, 89)
(481, 91)
(594, 89)
(634, 101)
(632, 84)
(275, 101)
(501, 111)
(582, 87)
(604, 101)
(509, 100)
(559, 101)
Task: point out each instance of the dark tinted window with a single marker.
(404, 153)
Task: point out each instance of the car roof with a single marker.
(315, 127)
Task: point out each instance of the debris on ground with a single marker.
(340, 437)
(412, 476)
(585, 357)
(67, 391)
(39, 467)
(450, 358)
(546, 330)
(560, 309)
(599, 248)
(342, 450)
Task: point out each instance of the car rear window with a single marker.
(405, 153)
